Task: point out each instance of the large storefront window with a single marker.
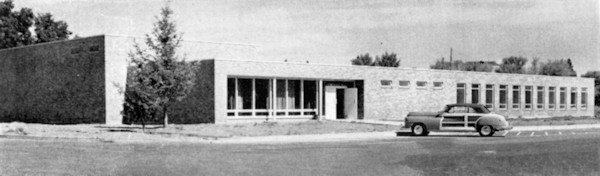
(310, 94)
(475, 93)
(460, 93)
(245, 93)
(489, 96)
(293, 94)
(502, 95)
(261, 88)
(516, 97)
(253, 97)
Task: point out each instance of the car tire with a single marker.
(419, 130)
(486, 130)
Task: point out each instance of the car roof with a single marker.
(466, 104)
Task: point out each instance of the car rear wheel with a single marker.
(486, 130)
(419, 130)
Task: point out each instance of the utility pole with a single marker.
(450, 59)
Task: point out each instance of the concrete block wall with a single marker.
(394, 101)
(58, 82)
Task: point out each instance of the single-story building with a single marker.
(81, 81)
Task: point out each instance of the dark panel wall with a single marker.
(58, 82)
(199, 105)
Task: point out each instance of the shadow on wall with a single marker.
(197, 107)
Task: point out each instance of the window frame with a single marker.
(406, 86)
(422, 87)
(540, 106)
(584, 98)
(552, 98)
(489, 87)
(438, 87)
(562, 98)
(505, 90)
(516, 102)
(381, 83)
(462, 88)
(529, 89)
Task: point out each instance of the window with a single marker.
(540, 97)
(231, 93)
(422, 84)
(310, 94)
(386, 83)
(261, 88)
(245, 93)
(437, 85)
(573, 98)
(502, 95)
(293, 94)
(528, 92)
(280, 101)
(404, 84)
(475, 93)
(460, 93)
(563, 98)
(551, 97)
(515, 97)
(489, 96)
(583, 98)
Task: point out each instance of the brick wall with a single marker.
(58, 82)
(394, 101)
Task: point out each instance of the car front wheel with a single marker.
(486, 130)
(419, 130)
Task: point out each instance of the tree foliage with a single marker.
(596, 76)
(387, 60)
(477, 67)
(158, 76)
(558, 67)
(15, 27)
(364, 59)
(48, 30)
(512, 64)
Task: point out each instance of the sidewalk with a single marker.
(129, 137)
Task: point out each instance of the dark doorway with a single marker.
(340, 103)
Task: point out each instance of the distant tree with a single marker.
(477, 67)
(441, 65)
(512, 64)
(48, 30)
(15, 27)
(364, 59)
(596, 76)
(557, 68)
(535, 67)
(387, 60)
(573, 73)
(159, 77)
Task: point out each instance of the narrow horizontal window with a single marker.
(437, 85)
(421, 84)
(386, 83)
(404, 84)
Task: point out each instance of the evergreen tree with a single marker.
(364, 59)
(387, 60)
(158, 76)
(512, 64)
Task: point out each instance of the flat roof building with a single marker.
(77, 81)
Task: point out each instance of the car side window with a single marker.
(458, 109)
(470, 110)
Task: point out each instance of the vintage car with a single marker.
(459, 118)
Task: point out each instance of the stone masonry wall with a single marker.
(394, 101)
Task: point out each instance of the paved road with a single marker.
(568, 152)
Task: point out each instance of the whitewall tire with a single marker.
(486, 130)
(419, 130)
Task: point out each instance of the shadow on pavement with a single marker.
(405, 133)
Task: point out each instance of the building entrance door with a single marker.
(341, 102)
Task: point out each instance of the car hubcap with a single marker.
(486, 130)
(418, 129)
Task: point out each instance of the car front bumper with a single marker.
(505, 128)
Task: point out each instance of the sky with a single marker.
(336, 31)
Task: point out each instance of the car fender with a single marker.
(493, 120)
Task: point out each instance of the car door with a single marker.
(455, 119)
(472, 117)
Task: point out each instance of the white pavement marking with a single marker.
(559, 133)
(518, 133)
(506, 132)
(532, 133)
(545, 132)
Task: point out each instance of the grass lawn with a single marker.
(271, 128)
